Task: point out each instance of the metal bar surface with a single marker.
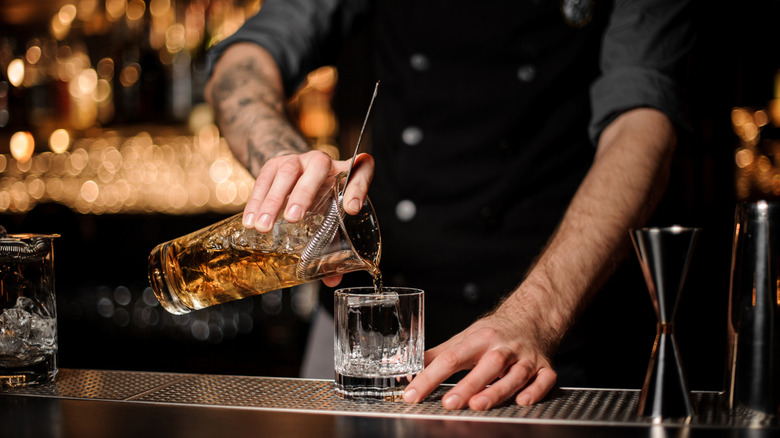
(563, 406)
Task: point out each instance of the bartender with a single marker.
(514, 143)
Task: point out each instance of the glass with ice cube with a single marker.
(28, 314)
(379, 341)
(226, 261)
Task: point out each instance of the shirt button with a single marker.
(412, 135)
(526, 73)
(470, 292)
(405, 210)
(419, 62)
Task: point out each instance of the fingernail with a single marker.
(264, 223)
(481, 403)
(410, 396)
(249, 220)
(523, 400)
(294, 213)
(354, 205)
(452, 402)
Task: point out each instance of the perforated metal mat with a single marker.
(582, 406)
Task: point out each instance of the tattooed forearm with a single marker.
(276, 139)
(250, 113)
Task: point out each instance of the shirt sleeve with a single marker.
(301, 35)
(643, 53)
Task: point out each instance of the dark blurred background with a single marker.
(104, 139)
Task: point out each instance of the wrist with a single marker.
(539, 307)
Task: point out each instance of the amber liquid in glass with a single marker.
(207, 268)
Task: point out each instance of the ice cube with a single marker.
(22, 327)
(290, 238)
(32, 307)
(381, 299)
(251, 239)
(312, 222)
(43, 332)
(10, 345)
(217, 242)
(374, 327)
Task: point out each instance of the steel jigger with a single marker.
(664, 255)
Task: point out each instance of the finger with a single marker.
(286, 177)
(359, 181)
(317, 168)
(541, 385)
(332, 281)
(516, 378)
(491, 366)
(259, 191)
(444, 365)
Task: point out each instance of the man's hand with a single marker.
(504, 358)
(295, 180)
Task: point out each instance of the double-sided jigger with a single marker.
(665, 254)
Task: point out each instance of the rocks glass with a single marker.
(379, 341)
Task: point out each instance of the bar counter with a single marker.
(94, 403)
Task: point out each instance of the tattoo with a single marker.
(250, 112)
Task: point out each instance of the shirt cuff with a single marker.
(626, 88)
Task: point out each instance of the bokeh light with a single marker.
(158, 8)
(135, 10)
(22, 146)
(59, 141)
(67, 14)
(16, 72)
(130, 74)
(33, 54)
(115, 9)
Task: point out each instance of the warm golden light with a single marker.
(743, 158)
(87, 81)
(740, 116)
(115, 9)
(59, 141)
(59, 29)
(764, 165)
(86, 9)
(105, 68)
(33, 54)
(103, 90)
(774, 111)
(22, 145)
(749, 132)
(16, 72)
(761, 118)
(323, 79)
(158, 8)
(219, 171)
(200, 116)
(135, 10)
(67, 14)
(174, 38)
(90, 191)
(111, 174)
(317, 122)
(129, 75)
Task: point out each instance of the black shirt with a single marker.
(486, 121)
